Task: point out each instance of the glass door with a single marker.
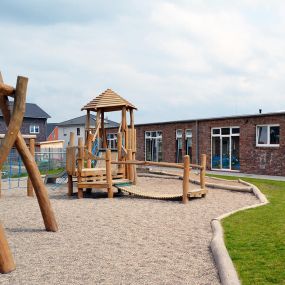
(153, 146)
(225, 148)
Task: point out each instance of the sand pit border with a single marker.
(225, 266)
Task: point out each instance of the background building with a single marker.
(34, 122)
(76, 125)
(247, 143)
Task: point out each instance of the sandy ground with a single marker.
(125, 240)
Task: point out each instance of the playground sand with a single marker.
(125, 240)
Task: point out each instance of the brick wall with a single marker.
(253, 159)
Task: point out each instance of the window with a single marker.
(179, 145)
(267, 135)
(153, 146)
(112, 141)
(78, 131)
(188, 143)
(34, 129)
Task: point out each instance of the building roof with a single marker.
(80, 121)
(32, 111)
(108, 100)
(281, 113)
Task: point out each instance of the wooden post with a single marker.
(125, 127)
(203, 170)
(120, 166)
(109, 173)
(186, 175)
(6, 259)
(134, 155)
(30, 190)
(132, 123)
(80, 165)
(130, 173)
(103, 134)
(97, 126)
(89, 148)
(69, 177)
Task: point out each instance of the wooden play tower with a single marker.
(93, 165)
(94, 169)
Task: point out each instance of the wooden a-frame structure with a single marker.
(13, 136)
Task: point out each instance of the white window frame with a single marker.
(268, 135)
(179, 136)
(186, 135)
(112, 140)
(33, 129)
(149, 137)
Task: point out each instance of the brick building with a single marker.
(247, 143)
(34, 122)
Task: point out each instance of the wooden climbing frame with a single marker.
(13, 136)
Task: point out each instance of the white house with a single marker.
(77, 126)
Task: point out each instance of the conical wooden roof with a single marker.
(109, 101)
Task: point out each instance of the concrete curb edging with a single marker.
(225, 266)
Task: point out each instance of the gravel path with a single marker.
(125, 240)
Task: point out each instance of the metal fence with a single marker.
(14, 171)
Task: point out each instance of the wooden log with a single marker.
(103, 134)
(80, 166)
(109, 173)
(203, 170)
(16, 119)
(30, 190)
(6, 90)
(130, 172)
(186, 176)
(7, 263)
(120, 158)
(89, 149)
(134, 170)
(0, 182)
(34, 173)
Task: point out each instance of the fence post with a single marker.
(186, 175)
(30, 190)
(109, 173)
(203, 170)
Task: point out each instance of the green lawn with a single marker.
(255, 238)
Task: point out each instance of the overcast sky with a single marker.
(174, 60)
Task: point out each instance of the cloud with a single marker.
(173, 60)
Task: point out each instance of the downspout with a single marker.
(197, 142)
